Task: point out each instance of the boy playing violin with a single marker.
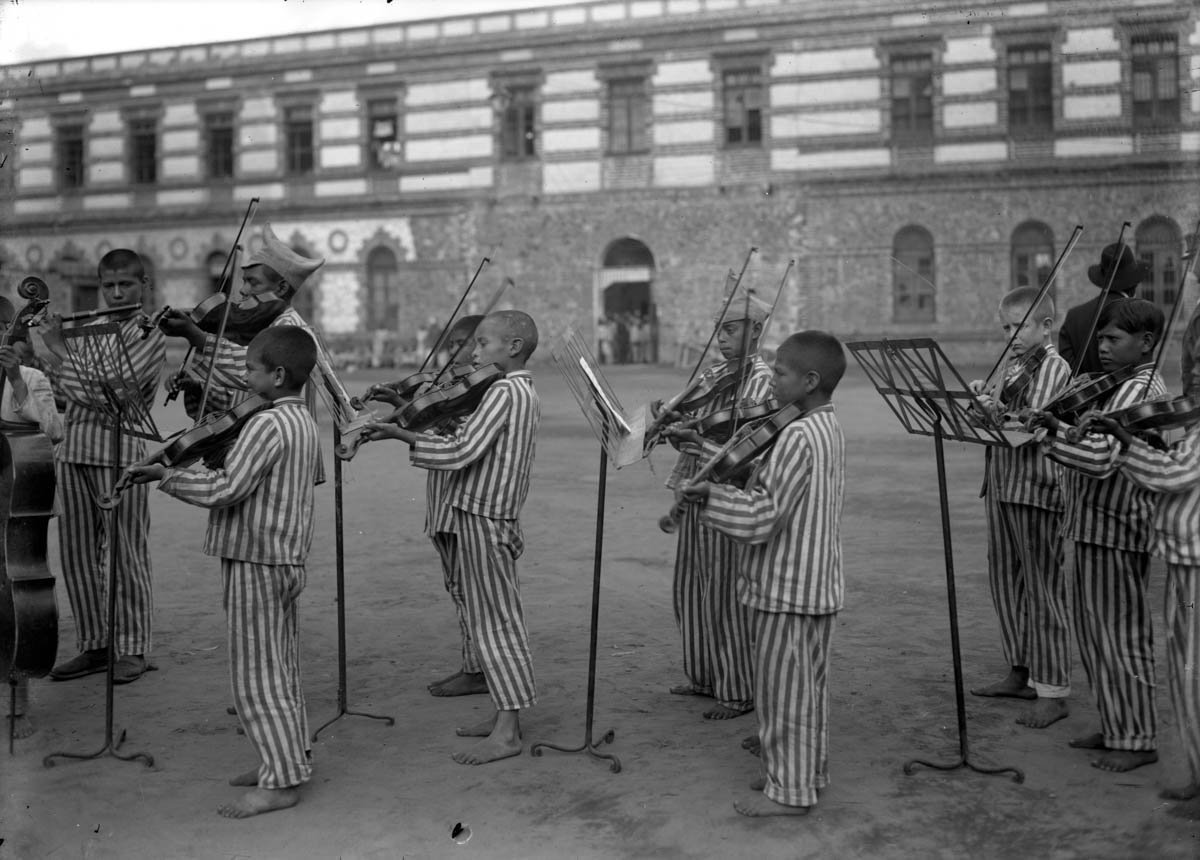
(1108, 517)
(788, 518)
(1174, 475)
(713, 624)
(489, 458)
(260, 525)
(85, 462)
(1024, 513)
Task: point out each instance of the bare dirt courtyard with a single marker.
(381, 791)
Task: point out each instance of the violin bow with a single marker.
(445, 333)
(724, 308)
(226, 286)
(1112, 276)
(1188, 258)
(1045, 288)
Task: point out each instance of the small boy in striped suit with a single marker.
(1024, 515)
(1108, 517)
(260, 524)
(489, 456)
(789, 518)
(1175, 476)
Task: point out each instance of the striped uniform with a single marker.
(1025, 572)
(1109, 519)
(489, 456)
(85, 472)
(439, 525)
(714, 626)
(260, 524)
(790, 518)
(1175, 474)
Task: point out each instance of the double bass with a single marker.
(28, 612)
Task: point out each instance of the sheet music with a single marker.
(619, 433)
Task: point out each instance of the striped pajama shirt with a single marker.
(1175, 476)
(1026, 577)
(260, 525)
(84, 471)
(1108, 517)
(488, 460)
(713, 624)
(789, 519)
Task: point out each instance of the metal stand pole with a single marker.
(588, 745)
(340, 552)
(113, 537)
(952, 601)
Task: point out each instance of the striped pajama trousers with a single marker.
(1031, 593)
(1183, 658)
(83, 536)
(264, 666)
(446, 545)
(791, 672)
(713, 623)
(487, 556)
(1116, 642)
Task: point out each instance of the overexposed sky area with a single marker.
(45, 29)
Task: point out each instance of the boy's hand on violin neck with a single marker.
(177, 324)
(697, 492)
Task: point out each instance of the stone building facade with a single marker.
(625, 156)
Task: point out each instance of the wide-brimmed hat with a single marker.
(1130, 271)
(273, 253)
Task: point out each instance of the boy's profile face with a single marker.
(259, 378)
(729, 338)
(492, 346)
(1119, 348)
(122, 286)
(1029, 335)
(792, 381)
(454, 343)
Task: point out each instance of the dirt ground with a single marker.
(383, 791)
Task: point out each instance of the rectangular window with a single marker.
(1030, 90)
(218, 144)
(627, 112)
(69, 146)
(912, 97)
(518, 125)
(143, 151)
(383, 134)
(743, 103)
(1155, 68)
(298, 139)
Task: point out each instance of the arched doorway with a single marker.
(626, 314)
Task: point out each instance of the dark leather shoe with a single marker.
(129, 668)
(87, 663)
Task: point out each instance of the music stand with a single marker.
(99, 352)
(927, 395)
(620, 439)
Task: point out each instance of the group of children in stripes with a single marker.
(1073, 516)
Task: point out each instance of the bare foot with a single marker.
(1119, 761)
(758, 784)
(1044, 712)
(720, 712)
(22, 726)
(260, 800)
(692, 690)
(492, 749)
(1185, 792)
(479, 730)
(248, 778)
(1015, 686)
(1093, 741)
(462, 684)
(445, 680)
(762, 806)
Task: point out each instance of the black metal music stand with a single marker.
(621, 437)
(927, 395)
(99, 351)
(340, 555)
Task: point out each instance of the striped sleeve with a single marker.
(1173, 471)
(1098, 454)
(1051, 378)
(753, 515)
(252, 457)
(472, 439)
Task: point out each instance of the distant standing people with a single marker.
(605, 329)
(621, 340)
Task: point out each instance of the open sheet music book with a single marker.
(619, 433)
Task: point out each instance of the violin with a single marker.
(28, 611)
(732, 461)
(1076, 399)
(1147, 420)
(720, 426)
(211, 436)
(246, 318)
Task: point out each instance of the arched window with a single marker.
(1158, 243)
(914, 277)
(1032, 255)
(383, 290)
